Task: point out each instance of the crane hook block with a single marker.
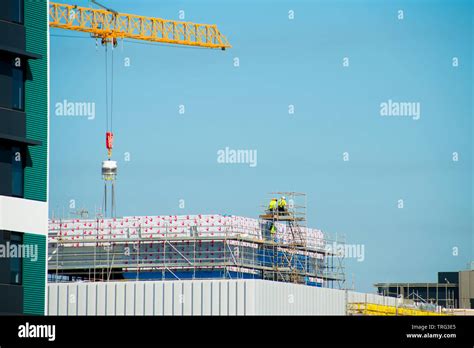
(109, 142)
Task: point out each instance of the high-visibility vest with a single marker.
(273, 229)
(282, 203)
(272, 205)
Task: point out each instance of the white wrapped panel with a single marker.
(79, 231)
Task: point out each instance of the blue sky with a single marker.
(337, 110)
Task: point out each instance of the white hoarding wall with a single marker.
(201, 297)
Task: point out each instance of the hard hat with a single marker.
(283, 197)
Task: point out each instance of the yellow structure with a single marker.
(362, 308)
(109, 26)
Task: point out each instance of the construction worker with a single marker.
(282, 204)
(273, 205)
(273, 231)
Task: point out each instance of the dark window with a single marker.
(11, 267)
(17, 11)
(16, 262)
(5, 170)
(5, 83)
(17, 172)
(12, 83)
(12, 10)
(12, 166)
(18, 88)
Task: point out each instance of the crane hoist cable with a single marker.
(106, 92)
(109, 107)
(112, 93)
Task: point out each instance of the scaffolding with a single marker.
(286, 266)
(189, 247)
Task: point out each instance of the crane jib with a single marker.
(111, 25)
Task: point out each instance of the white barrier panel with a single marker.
(201, 297)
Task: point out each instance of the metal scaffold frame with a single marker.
(97, 255)
(285, 266)
(289, 269)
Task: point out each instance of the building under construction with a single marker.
(197, 247)
(206, 265)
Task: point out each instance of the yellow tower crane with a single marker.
(109, 25)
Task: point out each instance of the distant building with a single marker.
(453, 289)
(23, 155)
